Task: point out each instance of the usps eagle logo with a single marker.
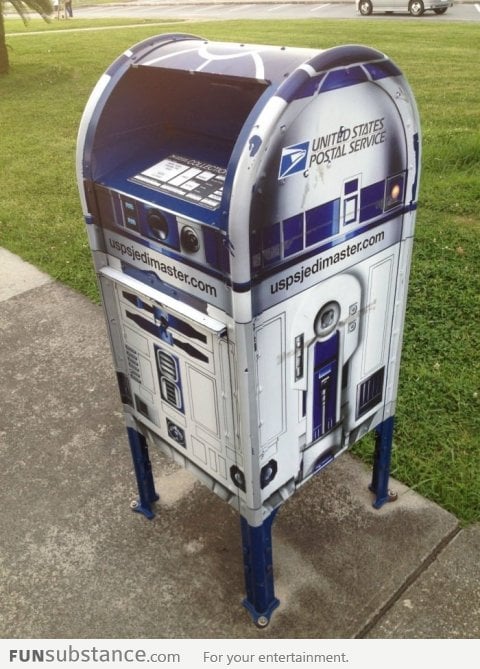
(293, 159)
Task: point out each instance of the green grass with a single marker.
(437, 438)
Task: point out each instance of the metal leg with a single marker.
(143, 473)
(257, 558)
(381, 463)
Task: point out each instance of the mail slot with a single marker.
(250, 211)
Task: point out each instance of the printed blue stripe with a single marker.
(383, 69)
(344, 56)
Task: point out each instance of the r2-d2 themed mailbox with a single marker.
(251, 212)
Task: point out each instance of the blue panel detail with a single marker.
(291, 87)
(292, 235)
(351, 186)
(131, 215)
(216, 251)
(343, 56)
(372, 201)
(271, 244)
(342, 78)
(311, 87)
(322, 222)
(325, 382)
(157, 330)
(383, 69)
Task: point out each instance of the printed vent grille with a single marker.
(171, 393)
(133, 364)
(370, 392)
(169, 375)
(167, 365)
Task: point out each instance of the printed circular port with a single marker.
(238, 477)
(268, 473)
(158, 225)
(189, 240)
(327, 318)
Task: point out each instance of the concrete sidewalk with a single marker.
(77, 563)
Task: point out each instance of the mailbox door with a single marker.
(175, 372)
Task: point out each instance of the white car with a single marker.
(414, 7)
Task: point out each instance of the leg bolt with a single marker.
(262, 621)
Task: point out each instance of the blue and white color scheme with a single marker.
(251, 213)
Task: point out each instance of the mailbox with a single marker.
(250, 211)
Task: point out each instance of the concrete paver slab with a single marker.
(17, 276)
(444, 602)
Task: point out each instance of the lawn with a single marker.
(437, 448)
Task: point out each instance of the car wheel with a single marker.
(365, 7)
(440, 10)
(416, 8)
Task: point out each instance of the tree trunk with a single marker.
(4, 64)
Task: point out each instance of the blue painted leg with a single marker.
(381, 464)
(143, 473)
(257, 558)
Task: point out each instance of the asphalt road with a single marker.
(271, 10)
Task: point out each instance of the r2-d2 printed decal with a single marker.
(331, 338)
(251, 210)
